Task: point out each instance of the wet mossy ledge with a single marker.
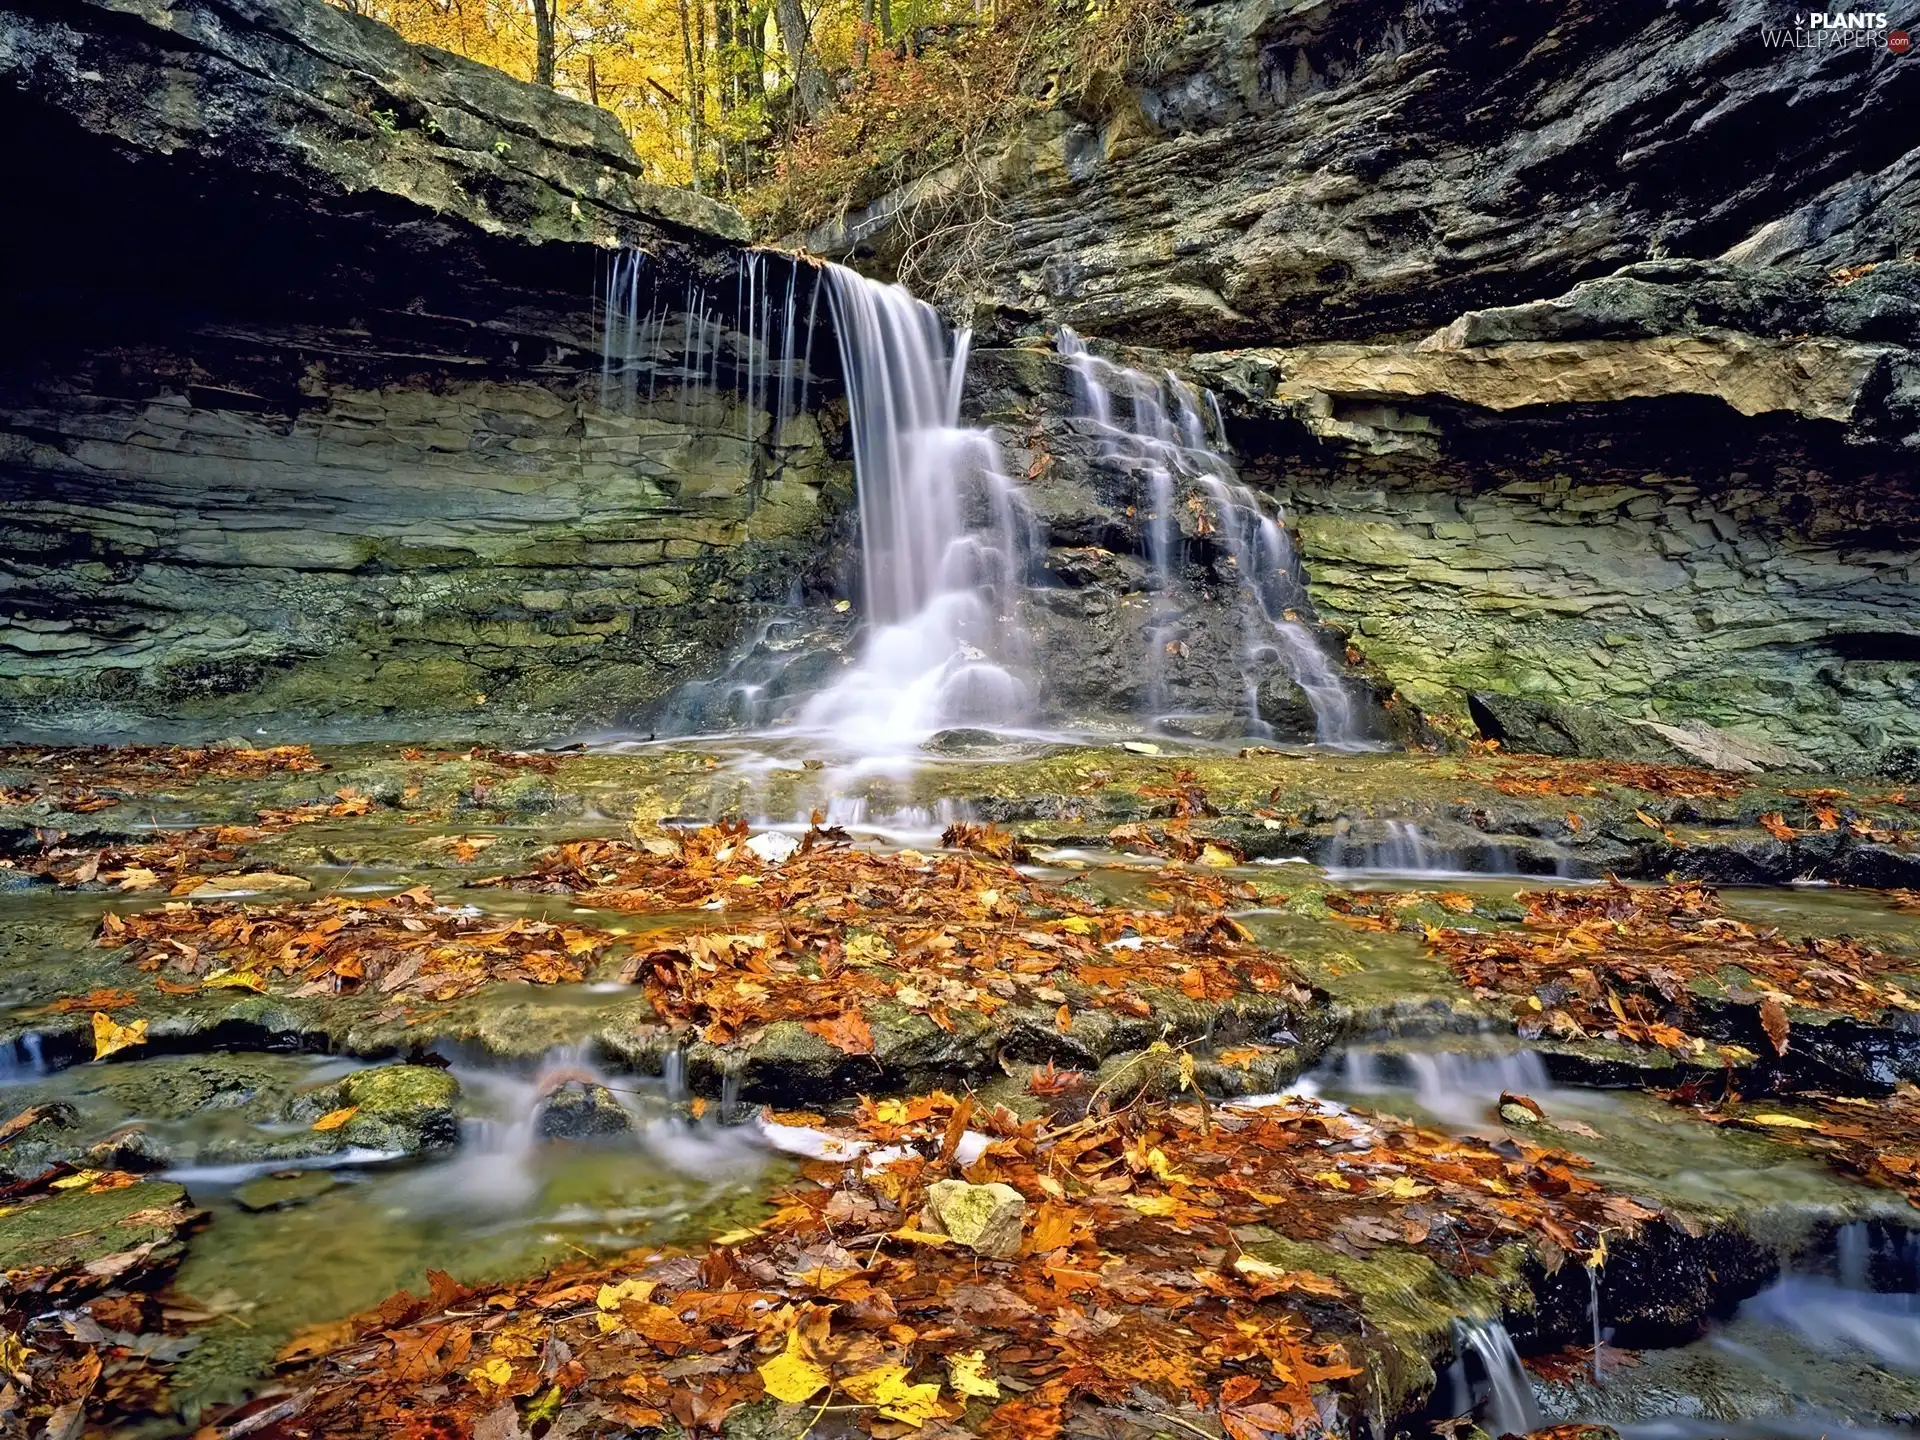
(444, 834)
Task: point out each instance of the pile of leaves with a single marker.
(1877, 1140)
(82, 1335)
(404, 945)
(1634, 963)
(1539, 775)
(148, 767)
(1132, 1299)
(830, 929)
(177, 859)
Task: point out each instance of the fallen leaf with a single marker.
(793, 1375)
(110, 1038)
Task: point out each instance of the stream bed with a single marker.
(519, 1126)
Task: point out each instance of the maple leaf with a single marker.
(848, 1032)
(334, 1119)
(967, 1374)
(887, 1389)
(793, 1375)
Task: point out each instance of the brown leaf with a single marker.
(848, 1032)
(1773, 1019)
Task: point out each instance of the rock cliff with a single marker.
(1582, 341)
(302, 406)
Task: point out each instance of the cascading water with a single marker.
(1458, 1087)
(941, 535)
(1511, 1408)
(1166, 441)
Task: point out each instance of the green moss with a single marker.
(71, 1228)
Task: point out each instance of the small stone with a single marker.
(283, 1191)
(987, 1219)
(577, 1111)
(1514, 1113)
(772, 847)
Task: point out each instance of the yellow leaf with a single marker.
(1258, 1269)
(1080, 925)
(967, 1374)
(1333, 1178)
(109, 1037)
(891, 1112)
(887, 1389)
(1151, 1204)
(1401, 1187)
(1217, 856)
(792, 1375)
(13, 1356)
(736, 1237)
(922, 1237)
(611, 1296)
(1788, 1122)
(235, 980)
(334, 1119)
(76, 1180)
(495, 1371)
(1186, 1072)
(868, 949)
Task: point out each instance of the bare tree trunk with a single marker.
(693, 95)
(863, 36)
(593, 82)
(544, 14)
(810, 85)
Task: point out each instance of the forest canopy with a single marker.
(795, 110)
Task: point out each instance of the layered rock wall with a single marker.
(303, 422)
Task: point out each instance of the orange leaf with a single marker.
(848, 1032)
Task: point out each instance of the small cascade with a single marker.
(1165, 440)
(22, 1060)
(570, 1099)
(1458, 1087)
(1870, 1306)
(942, 536)
(690, 342)
(1405, 849)
(1509, 1406)
(1593, 1312)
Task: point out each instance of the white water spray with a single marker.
(941, 535)
(1166, 441)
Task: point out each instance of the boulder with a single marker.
(1526, 725)
(579, 1111)
(400, 1107)
(987, 1219)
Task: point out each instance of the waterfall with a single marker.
(1511, 1408)
(941, 535)
(1166, 441)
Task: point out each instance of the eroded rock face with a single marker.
(1612, 499)
(302, 410)
(1301, 172)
